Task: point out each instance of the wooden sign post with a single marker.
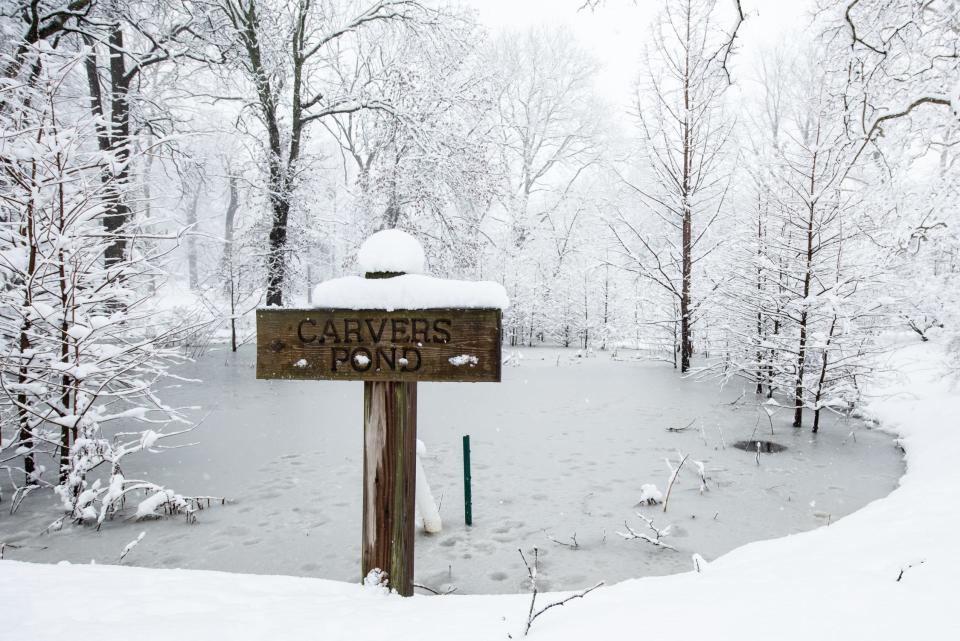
(390, 351)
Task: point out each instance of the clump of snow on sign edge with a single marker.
(411, 291)
(391, 250)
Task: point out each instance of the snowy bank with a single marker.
(888, 571)
(412, 291)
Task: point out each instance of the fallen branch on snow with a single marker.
(656, 539)
(532, 573)
(680, 429)
(433, 591)
(573, 541)
(129, 546)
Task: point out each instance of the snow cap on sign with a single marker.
(412, 291)
(391, 250)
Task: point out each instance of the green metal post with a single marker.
(467, 498)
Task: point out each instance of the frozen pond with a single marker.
(560, 449)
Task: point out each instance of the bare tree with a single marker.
(803, 299)
(289, 57)
(83, 346)
(548, 135)
(36, 21)
(685, 133)
(124, 41)
(902, 54)
(728, 46)
(425, 164)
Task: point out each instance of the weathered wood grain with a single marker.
(377, 345)
(389, 473)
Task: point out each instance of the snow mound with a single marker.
(650, 495)
(411, 291)
(391, 250)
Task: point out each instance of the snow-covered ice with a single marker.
(886, 573)
(562, 448)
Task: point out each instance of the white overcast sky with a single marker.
(615, 31)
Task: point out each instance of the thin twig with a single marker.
(433, 591)
(532, 573)
(658, 533)
(680, 429)
(573, 545)
(673, 479)
(578, 595)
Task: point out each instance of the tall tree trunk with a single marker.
(228, 257)
(823, 376)
(246, 21)
(606, 307)
(118, 211)
(277, 260)
(112, 137)
(147, 211)
(586, 315)
(760, 336)
(804, 314)
(686, 342)
(29, 237)
(193, 277)
(25, 436)
(67, 311)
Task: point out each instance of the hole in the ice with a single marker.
(767, 447)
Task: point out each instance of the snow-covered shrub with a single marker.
(82, 349)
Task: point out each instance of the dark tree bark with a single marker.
(26, 431)
(686, 342)
(307, 104)
(823, 376)
(40, 24)
(685, 143)
(807, 281)
(113, 136)
(124, 70)
(228, 256)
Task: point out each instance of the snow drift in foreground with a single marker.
(887, 572)
(412, 291)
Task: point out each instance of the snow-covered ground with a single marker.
(562, 448)
(888, 571)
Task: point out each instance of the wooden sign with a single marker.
(377, 345)
(390, 351)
